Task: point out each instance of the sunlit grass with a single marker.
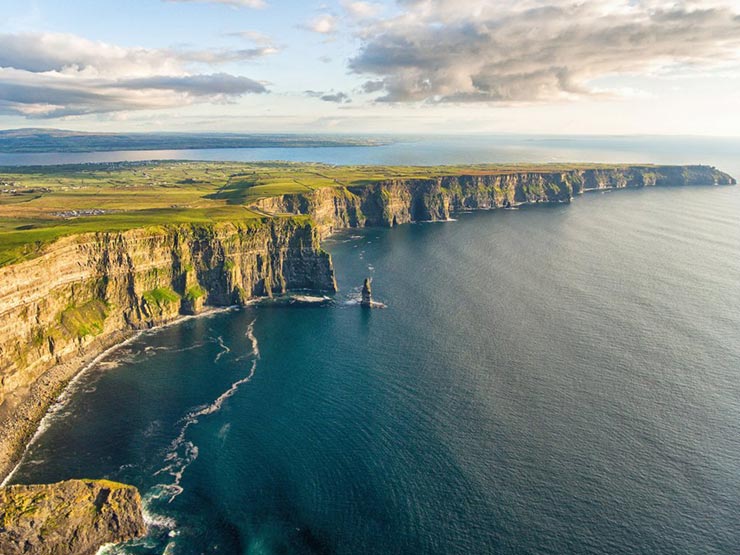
(36, 203)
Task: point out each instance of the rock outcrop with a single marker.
(367, 294)
(366, 300)
(75, 517)
(85, 291)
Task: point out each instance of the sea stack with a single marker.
(367, 294)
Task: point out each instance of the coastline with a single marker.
(24, 422)
(21, 422)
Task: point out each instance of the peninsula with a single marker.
(89, 254)
(33, 140)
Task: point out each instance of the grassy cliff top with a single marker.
(40, 204)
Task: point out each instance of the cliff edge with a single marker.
(87, 292)
(392, 202)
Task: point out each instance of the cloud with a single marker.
(222, 56)
(53, 75)
(263, 45)
(373, 86)
(213, 85)
(529, 50)
(337, 97)
(236, 3)
(362, 10)
(324, 24)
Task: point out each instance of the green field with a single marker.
(40, 204)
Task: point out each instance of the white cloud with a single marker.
(362, 10)
(51, 75)
(447, 50)
(324, 24)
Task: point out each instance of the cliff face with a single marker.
(395, 202)
(78, 296)
(85, 290)
(75, 516)
(330, 208)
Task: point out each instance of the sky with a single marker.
(392, 66)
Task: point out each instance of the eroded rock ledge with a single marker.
(73, 517)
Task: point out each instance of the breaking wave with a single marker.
(182, 452)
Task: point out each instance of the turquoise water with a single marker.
(549, 380)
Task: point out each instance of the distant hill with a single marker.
(30, 140)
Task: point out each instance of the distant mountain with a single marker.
(30, 140)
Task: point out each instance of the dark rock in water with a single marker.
(367, 296)
(76, 517)
(367, 293)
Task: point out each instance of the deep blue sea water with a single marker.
(550, 380)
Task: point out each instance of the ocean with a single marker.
(450, 149)
(548, 380)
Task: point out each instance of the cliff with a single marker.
(85, 291)
(397, 201)
(73, 517)
(88, 291)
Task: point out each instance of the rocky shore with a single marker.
(99, 289)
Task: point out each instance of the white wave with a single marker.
(108, 549)
(155, 520)
(224, 348)
(56, 408)
(182, 453)
(189, 348)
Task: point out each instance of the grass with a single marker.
(88, 319)
(194, 293)
(160, 296)
(41, 204)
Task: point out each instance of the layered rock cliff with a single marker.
(78, 297)
(398, 201)
(73, 517)
(84, 291)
